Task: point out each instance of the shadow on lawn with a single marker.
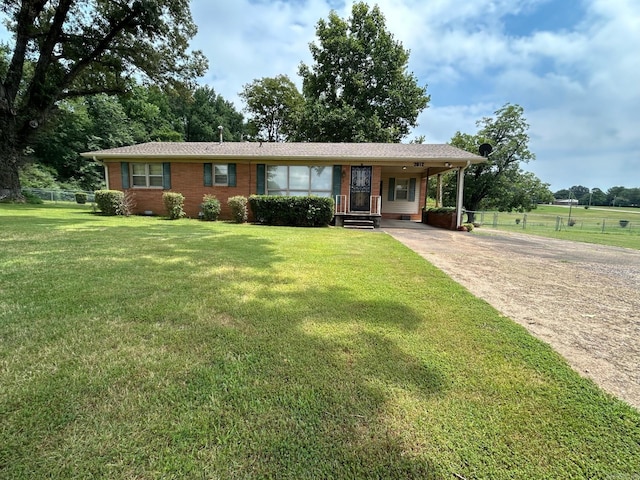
(291, 381)
(208, 360)
(313, 381)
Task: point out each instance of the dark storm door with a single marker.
(360, 189)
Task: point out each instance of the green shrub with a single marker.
(469, 226)
(441, 210)
(210, 208)
(174, 204)
(111, 202)
(81, 198)
(32, 198)
(238, 206)
(293, 211)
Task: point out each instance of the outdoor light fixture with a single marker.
(404, 167)
(447, 164)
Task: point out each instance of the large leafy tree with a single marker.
(500, 182)
(58, 143)
(274, 105)
(359, 89)
(63, 49)
(150, 114)
(620, 196)
(205, 111)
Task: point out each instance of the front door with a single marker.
(360, 189)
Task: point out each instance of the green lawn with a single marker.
(599, 225)
(145, 348)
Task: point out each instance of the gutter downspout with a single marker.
(106, 171)
(460, 194)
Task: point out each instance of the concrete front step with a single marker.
(359, 224)
(357, 220)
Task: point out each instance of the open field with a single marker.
(601, 225)
(145, 348)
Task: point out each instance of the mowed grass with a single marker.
(145, 348)
(600, 225)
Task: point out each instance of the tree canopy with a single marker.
(68, 49)
(106, 121)
(274, 105)
(358, 88)
(615, 196)
(500, 183)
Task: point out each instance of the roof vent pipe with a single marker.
(220, 127)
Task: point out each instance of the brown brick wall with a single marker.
(187, 179)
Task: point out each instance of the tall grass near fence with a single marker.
(614, 226)
(136, 347)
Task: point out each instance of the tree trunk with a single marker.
(10, 159)
(471, 216)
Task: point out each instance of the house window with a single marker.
(299, 180)
(402, 189)
(221, 175)
(146, 175)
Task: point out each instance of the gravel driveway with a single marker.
(582, 299)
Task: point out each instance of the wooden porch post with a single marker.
(439, 191)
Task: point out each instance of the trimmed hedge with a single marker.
(110, 202)
(210, 208)
(292, 211)
(174, 204)
(238, 206)
(440, 210)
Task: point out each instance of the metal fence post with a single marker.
(557, 224)
(495, 220)
(524, 221)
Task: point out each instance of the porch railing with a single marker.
(376, 204)
(342, 206)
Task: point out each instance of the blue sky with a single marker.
(572, 64)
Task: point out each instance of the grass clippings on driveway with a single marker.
(144, 348)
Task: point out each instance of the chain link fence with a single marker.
(59, 195)
(612, 222)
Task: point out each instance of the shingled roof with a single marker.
(371, 152)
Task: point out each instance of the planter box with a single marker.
(441, 220)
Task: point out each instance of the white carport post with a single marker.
(460, 196)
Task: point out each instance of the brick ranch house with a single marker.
(384, 180)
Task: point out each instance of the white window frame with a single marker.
(299, 192)
(218, 176)
(147, 175)
(400, 182)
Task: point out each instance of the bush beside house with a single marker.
(292, 211)
(174, 204)
(110, 202)
(238, 206)
(210, 208)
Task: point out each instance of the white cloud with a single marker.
(578, 82)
